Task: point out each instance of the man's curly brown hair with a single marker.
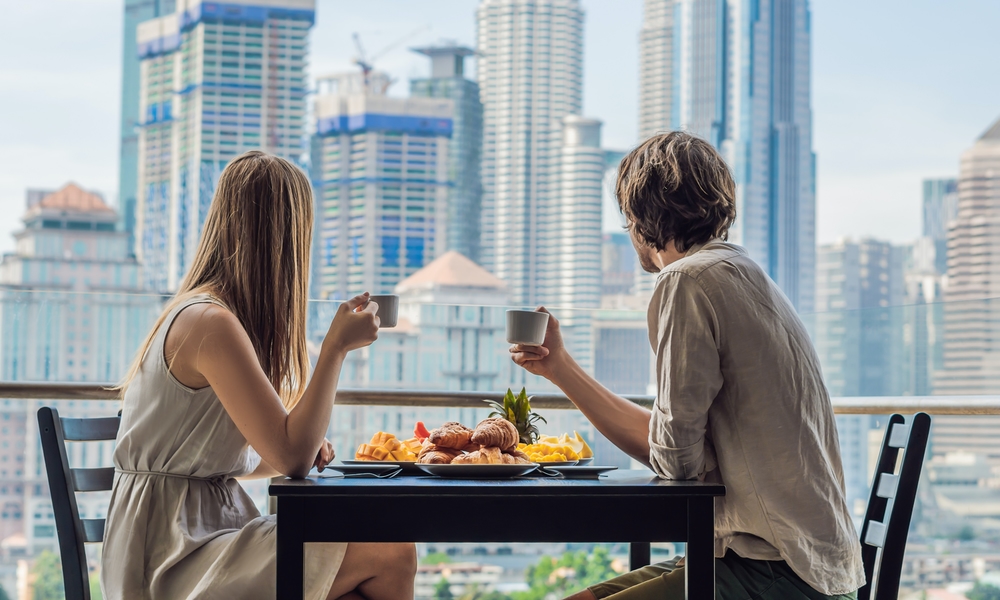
(676, 187)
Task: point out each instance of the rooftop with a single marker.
(451, 269)
(71, 198)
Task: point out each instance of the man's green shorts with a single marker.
(736, 578)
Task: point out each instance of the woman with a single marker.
(224, 371)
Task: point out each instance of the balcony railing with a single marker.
(863, 405)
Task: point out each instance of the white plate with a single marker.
(583, 462)
(363, 466)
(408, 467)
(478, 471)
(587, 472)
(565, 463)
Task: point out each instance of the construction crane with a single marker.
(367, 63)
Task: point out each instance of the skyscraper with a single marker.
(448, 80)
(972, 315)
(656, 67)
(136, 11)
(530, 71)
(737, 75)
(217, 80)
(940, 207)
(570, 257)
(380, 173)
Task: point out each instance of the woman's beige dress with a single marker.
(179, 525)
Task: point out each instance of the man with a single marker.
(740, 398)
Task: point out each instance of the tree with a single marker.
(966, 534)
(48, 577)
(3, 594)
(436, 558)
(567, 575)
(983, 592)
(442, 591)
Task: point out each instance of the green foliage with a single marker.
(474, 593)
(966, 533)
(983, 592)
(95, 588)
(436, 558)
(442, 590)
(48, 577)
(517, 410)
(568, 575)
(3, 594)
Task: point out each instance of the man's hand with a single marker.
(542, 360)
(324, 456)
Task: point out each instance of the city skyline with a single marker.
(882, 181)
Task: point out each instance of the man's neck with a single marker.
(667, 256)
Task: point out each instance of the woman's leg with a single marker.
(376, 572)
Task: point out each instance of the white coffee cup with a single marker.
(526, 327)
(388, 309)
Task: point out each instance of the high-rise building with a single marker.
(380, 173)
(216, 80)
(737, 74)
(656, 68)
(70, 310)
(570, 257)
(858, 284)
(618, 261)
(448, 80)
(940, 207)
(136, 11)
(972, 316)
(530, 70)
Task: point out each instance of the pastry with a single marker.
(431, 454)
(521, 456)
(483, 456)
(495, 432)
(451, 435)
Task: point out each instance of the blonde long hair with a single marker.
(254, 257)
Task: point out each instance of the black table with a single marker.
(627, 506)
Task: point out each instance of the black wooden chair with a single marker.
(64, 482)
(890, 505)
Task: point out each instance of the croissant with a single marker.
(451, 435)
(521, 457)
(431, 454)
(496, 432)
(483, 456)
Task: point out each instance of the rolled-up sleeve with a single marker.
(683, 328)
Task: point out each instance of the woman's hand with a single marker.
(542, 360)
(324, 456)
(355, 325)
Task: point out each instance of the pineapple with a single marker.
(517, 410)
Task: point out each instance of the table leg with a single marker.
(638, 555)
(290, 549)
(700, 561)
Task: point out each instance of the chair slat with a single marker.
(876, 534)
(887, 484)
(90, 430)
(93, 530)
(93, 480)
(900, 434)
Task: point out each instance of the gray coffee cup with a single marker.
(388, 309)
(526, 327)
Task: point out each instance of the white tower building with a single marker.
(216, 80)
(530, 71)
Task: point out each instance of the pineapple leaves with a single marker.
(517, 410)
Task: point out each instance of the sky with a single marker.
(900, 89)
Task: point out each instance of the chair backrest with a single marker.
(64, 482)
(890, 505)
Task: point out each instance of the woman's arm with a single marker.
(215, 348)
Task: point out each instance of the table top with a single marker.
(616, 483)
